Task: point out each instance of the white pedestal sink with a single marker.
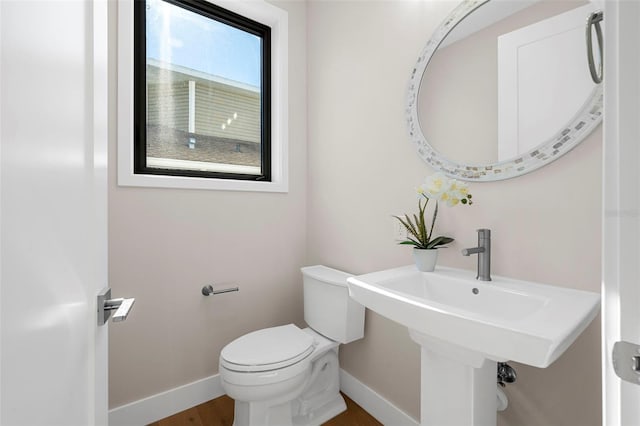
(465, 326)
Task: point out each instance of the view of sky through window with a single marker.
(181, 37)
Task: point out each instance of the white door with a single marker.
(621, 248)
(53, 252)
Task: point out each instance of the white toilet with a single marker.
(285, 376)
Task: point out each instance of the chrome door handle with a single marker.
(106, 304)
(626, 361)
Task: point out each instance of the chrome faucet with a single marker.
(484, 254)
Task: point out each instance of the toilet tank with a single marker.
(328, 309)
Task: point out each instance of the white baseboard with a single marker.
(383, 411)
(165, 404)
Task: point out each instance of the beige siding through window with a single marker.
(222, 109)
(217, 103)
(168, 104)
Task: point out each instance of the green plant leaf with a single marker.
(433, 221)
(424, 235)
(416, 226)
(439, 241)
(419, 228)
(411, 228)
(404, 223)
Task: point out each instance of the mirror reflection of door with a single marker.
(473, 102)
(542, 80)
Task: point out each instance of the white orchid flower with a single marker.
(434, 186)
(441, 188)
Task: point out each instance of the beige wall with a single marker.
(362, 170)
(164, 245)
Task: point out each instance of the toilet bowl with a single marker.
(293, 385)
(290, 376)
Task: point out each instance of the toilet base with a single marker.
(322, 414)
(261, 414)
(255, 414)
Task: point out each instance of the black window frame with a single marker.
(217, 13)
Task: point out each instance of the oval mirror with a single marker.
(503, 88)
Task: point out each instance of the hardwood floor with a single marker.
(219, 412)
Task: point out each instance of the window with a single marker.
(196, 106)
(201, 91)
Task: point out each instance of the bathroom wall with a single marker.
(164, 245)
(362, 170)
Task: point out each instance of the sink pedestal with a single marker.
(458, 386)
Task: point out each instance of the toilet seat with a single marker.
(267, 349)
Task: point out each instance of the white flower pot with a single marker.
(425, 259)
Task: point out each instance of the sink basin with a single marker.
(504, 319)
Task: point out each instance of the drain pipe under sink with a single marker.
(503, 401)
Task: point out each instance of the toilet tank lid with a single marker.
(275, 345)
(326, 274)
